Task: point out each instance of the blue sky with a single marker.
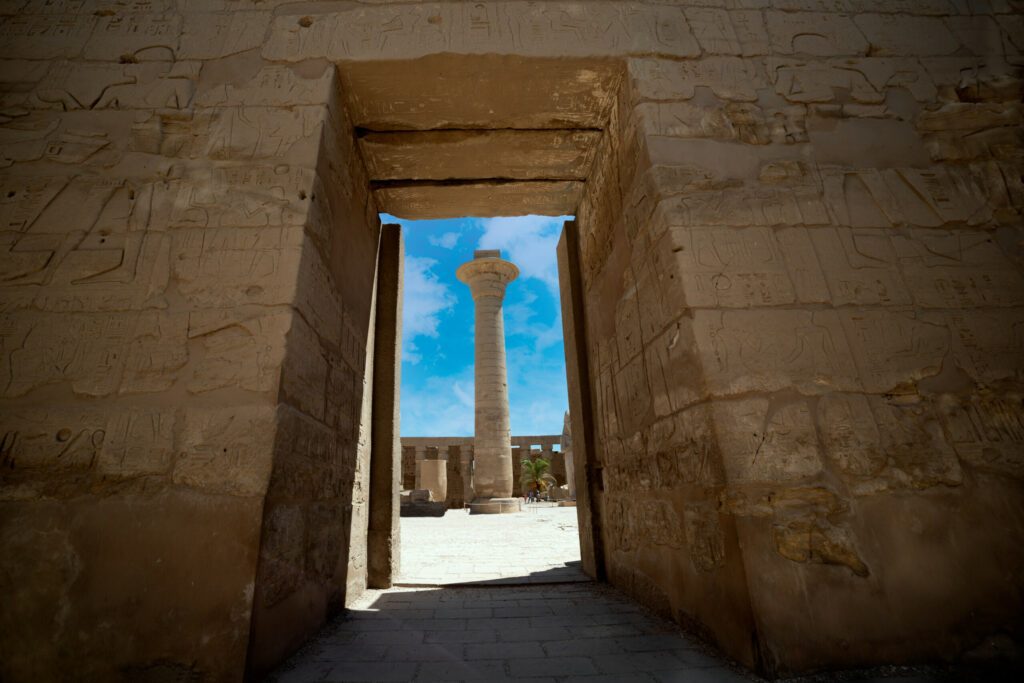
(437, 325)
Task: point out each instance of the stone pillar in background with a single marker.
(468, 493)
(432, 475)
(421, 455)
(566, 445)
(487, 276)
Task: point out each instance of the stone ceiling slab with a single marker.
(417, 201)
(479, 92)
(476, 154)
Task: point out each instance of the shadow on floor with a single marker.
(570, 572)
(559, 632)
(537, 631)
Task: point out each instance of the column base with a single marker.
(495, 506)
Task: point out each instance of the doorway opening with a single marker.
(442, 543)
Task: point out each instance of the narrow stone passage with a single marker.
(552, 633)
(529, 614)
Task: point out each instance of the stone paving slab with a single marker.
(460, 633)
(538, 545)
(582, 633)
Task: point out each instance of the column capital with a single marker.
(487, 274)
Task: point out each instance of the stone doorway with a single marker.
(483, 152)
(442, 541)
(797, 331)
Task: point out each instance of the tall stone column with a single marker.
(487, 276)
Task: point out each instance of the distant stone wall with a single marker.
(458, 451)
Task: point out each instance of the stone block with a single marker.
(512, 198)
(893, 349)
(98, 354)
(815, 33)
(444, 155)
(231, 350)
(986, 431)
(767, 440)
(896, 34)
(532, 94)
(562, 29)
(748, 267)
(774, 349)
(729, 32)
(149, 35)
(272, 85)
(880, 444)
(227, 450)
(218, 35)
(730, 78)
(45, 36)
(236, 266)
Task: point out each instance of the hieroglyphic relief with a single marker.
(989, 344)
(987, 431)
(824, 34)
(894, 349)
(722, 32)
(231, 350)
(766, 440)
(880, 444)
(705, 541)
(743, 121)
(229, 196)
(231, 266)
(957, 269)
(886, 198)
(533, 29)
(730, 78)
(105, 257)
(273, 134)
(44, 36)
(140, 352)
(116, 35)
(115, 444)
(763, 206)
(866, 79)
(770, 350)
(727, 267)
(226, 450)
(97, 85)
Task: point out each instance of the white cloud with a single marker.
(446, 241)
(537, 391)
(442, 406)
(425, 299)
(527, 241)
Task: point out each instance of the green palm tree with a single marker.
(535, 475)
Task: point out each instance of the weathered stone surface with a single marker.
(417, 201)
(531, 94)
(468, 154)
(794, 310)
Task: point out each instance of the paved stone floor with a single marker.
(536, 634)
(505, 627)
(540, 544)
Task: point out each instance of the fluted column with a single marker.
(487, 276)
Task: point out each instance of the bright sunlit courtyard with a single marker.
(539, 545)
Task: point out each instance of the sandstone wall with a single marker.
(313, 551)
(802, 265)
(187, 282)
(801, 271)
